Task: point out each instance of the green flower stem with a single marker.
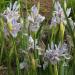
(66, 71)
(52, 34)
(55, 70)
(9, 67)
(50, 69)
(1, 37)
(1, 54)
(33, 65)
(17, 59)
(34, 45)
(73, 62)
(61, 69)
(35, 51)
(10, 72)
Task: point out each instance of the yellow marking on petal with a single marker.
(9, 26)
(62, 28)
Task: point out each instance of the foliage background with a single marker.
(4, 4)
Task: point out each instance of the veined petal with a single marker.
(14, 34)
(68, 12)
(52, 45)
(31, 39)
(34, 11)
(15, 5)
(10, 5)
(15, 30)
(40, 18)
(57, 6)
(30, 18)
(34, 26)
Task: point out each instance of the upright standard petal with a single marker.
(34, 11)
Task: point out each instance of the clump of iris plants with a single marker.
(25, 50)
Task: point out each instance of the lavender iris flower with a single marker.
(58, 14)
(56, 53)
(35, 19)
(12, 26)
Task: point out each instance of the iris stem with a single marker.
(1, 52)
(50, 69)
(17, 59)
(55, 70)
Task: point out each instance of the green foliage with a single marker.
(71, 3)
(3, 4)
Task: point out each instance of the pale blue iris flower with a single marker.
(12, 15)
(58, 14)
(35, 19)
(56, 53)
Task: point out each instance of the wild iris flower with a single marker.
(11, 14)
(56, 53)
(58, 14)
(35, 19)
